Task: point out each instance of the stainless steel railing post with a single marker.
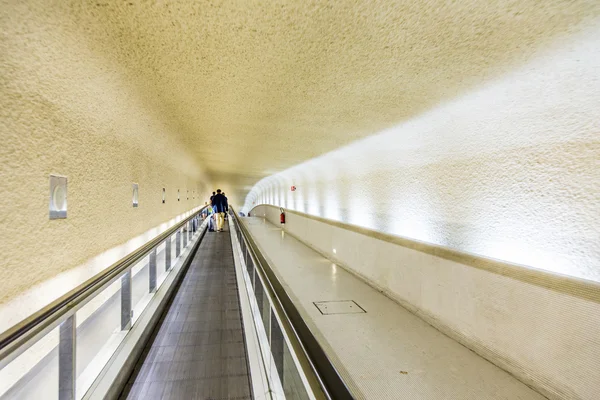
(126, 300)
(168, 254)
(67, 351)
(152, 272)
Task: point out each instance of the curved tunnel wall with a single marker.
(65, 110)
(538, 326)
(510, 171)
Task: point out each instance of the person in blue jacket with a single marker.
(226, 206)
(220, 205)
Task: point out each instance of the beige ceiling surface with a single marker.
(257, 86)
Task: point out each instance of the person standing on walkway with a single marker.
(220, 203)
(211, 219)
(226, 206)
(212, 205)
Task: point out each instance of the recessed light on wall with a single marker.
(164, 195)
(58, 197)
(135, 194)
(334, 251)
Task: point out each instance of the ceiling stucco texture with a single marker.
(254, 87)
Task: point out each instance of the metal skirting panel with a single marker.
(197, 351)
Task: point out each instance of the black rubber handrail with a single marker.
(334, 385)
(38, 321)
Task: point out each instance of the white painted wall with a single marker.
(548, 339)
(510, 170)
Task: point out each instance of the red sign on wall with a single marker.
(293, 188)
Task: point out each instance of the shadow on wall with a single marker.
(509, 171)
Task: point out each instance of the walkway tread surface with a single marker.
(386, 352)
(197, 351)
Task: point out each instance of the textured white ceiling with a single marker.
(255, 87)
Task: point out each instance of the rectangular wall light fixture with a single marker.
(58, 197)
(135, 194)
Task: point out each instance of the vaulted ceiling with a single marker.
(254, 87)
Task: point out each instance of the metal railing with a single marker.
(61, 314)
(282, 318)
(116, 285)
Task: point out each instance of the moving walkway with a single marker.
(190, 314)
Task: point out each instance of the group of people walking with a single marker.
(217, 211)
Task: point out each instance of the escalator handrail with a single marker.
(326, 373)
(13, 338)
